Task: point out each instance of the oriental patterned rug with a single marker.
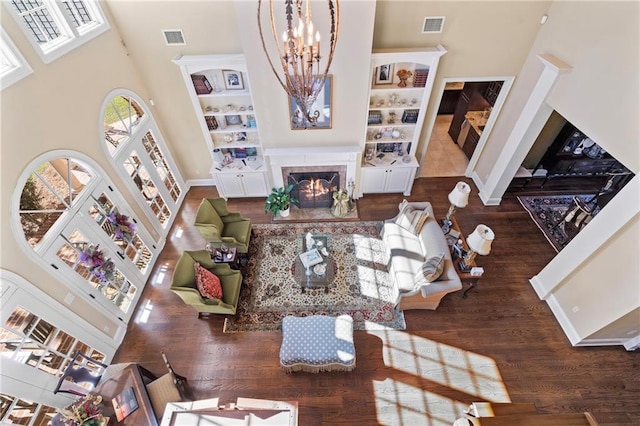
(547, 210)
(361, 287)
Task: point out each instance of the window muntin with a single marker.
(141, 178)
(163, 169)
(136, 250)
(117, 289)
(29, 339)
(50, 190)
(56, 28)
(121, 115)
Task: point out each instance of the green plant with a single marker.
(279, 199)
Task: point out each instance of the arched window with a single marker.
(133, 141)
(80, 228)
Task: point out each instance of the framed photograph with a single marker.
(233, 120)
(321, 108)
(384, 74)
(232, 80)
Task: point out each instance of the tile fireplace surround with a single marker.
(282, 161)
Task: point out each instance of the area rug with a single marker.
(361, 287)
(547, 210)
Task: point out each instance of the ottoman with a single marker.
(317, 343)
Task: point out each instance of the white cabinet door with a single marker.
(373, 180)
(255, 184)
(229, 185)
(400, 180)
(242, 184)
(390, 179)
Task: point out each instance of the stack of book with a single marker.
(420, 78)
(201, 84)
(375, 117)
(212, 123)
(410, 115)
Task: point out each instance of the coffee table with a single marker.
(319, 276)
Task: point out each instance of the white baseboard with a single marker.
(632, 344)
(538, 287)
(486, 200)
(564, 321)
(200, 182)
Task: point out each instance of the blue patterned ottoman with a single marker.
(317, 343)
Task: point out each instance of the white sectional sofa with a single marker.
(409, 251)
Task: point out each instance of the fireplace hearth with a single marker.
(314, 189)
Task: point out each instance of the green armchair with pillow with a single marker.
(219, 226)
(187, 284)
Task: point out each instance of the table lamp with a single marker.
(479, 242)
(458, 198)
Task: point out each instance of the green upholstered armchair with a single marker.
(183, 283)
(219, 226)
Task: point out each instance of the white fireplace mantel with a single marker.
(277, 158)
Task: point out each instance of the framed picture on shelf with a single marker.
(232, 80)
(233, 120)
(384, 74)
(321, 110)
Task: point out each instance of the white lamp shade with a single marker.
(480, 240)
(459, 197)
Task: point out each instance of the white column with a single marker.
(525, 131)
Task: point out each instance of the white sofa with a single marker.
(409, 251)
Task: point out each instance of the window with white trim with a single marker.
(13, 66)
(57, 27)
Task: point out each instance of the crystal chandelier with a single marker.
(299, 53)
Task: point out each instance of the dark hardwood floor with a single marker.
(501, 343)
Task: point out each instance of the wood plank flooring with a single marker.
(500, 344)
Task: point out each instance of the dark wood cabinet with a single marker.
(573, 154)
(492, 91)
(458, 116)
(449, 101)
(471, 142)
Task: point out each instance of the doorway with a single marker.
(464, 110)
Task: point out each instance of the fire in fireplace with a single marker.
(315, 189)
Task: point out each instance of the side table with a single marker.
(231, 257)
(465, 276)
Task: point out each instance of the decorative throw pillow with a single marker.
(207, 282)
(410, 218)
(430, 271)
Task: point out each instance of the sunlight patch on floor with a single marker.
(435, 364)
(373, 276)
(399, 403)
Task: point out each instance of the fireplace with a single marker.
(313, 186)
(315, 162)
(314, 189)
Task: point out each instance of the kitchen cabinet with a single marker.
(387, 179)
(400, 85)
(471, 142)
(492, 91)
(220, 92)
(471, 99)
(450, 98)
(458, 116)
(242, 184)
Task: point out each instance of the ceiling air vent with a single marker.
(433, 24)
(173, 37)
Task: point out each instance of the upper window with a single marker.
(13, 66)
(57, 27)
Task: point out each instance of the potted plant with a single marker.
(279, 201)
